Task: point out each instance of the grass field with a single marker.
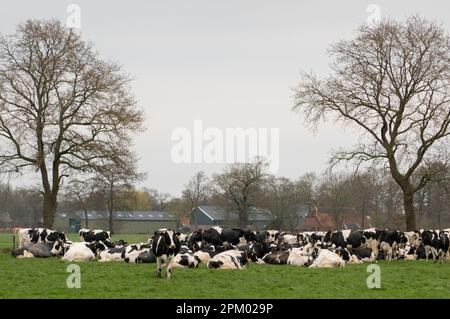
(46, 278)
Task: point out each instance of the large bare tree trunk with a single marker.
(86, 222)
(243, 219)
(49, 209)
(410, 215)
(111, 207)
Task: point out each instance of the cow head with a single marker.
(302, 239)
(249, 235)
(120, 243)
(259, 249)
(327, 237)
(97, 247)
(343, 253)
(108, 243)
(272, 236)
(169, 237)
(58, 248)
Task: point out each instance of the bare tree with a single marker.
(196, 191)
(80, 191)
(239, 184)
(111, 178)
(177, 207)
(279, 195)
(333, 191)
(392, 82)
(159, 200)
(62, 108)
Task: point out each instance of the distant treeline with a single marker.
(371, 193)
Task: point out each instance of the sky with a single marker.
(229, 64)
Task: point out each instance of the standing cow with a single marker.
(166, 245)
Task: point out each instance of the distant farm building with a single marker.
(208, 215)
(324, 218)
(317, 221)
(128, 222)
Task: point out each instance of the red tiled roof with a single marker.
(319, 220)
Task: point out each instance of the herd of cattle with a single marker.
(231, 248)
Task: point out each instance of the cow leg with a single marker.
(158, 267)
(373, 244)
(394, 249)
(389, 253)
(441, 255)
(434, 253)
(169, 266)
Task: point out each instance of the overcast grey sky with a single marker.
(227, 63)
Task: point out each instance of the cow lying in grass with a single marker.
(230, 259)
(39, 250)
(84, 251)
(28, 236)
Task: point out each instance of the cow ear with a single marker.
(177, 233)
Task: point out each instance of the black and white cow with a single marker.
(299, 256)
(218, 236)
(230, 259)
(146, 257)
(209, 251)
(276, 257)
(287, 239)
(27, 236)
(112, 254)
(209, 236)
(443, 248)
(186, 260)
(39, 250)
(312, 237)
(389, 240)
(165, 247)
(338, 238)
(84, 251)
(272, 236)
(417, 252)
(345, 238)
(132, 252)
(327, 259)
(91, 235)
(430, 240)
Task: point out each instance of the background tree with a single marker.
(196, 191)
(113, 178)
(159, 200)
(279, 196)
(392, 83)
(62, 108)
(177, 207)
(80, 191)
(238, 185)
(333, 192)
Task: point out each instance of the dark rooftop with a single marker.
(123, 215)
(221, 213)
